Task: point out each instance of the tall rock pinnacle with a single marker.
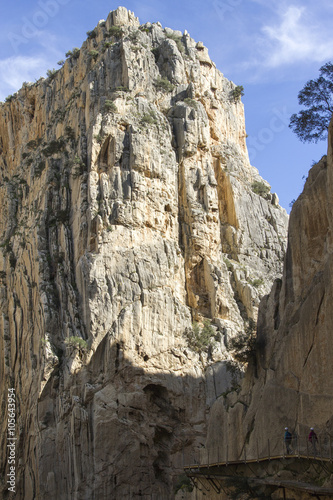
(129, 210)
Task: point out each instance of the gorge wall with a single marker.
(290, 382)
(129, 209)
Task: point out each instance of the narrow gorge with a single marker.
(137, 243)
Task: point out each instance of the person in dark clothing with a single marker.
(287, 440)
(313, 440)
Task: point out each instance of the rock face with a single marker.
(292, 383)
(128, 210)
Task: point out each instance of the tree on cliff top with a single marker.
(311, 124)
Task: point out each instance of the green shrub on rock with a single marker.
(260, 188)
(199, 338)
(77, 343)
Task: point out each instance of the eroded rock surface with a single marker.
(128, 210)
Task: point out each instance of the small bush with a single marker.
(51, 73)
(99, 138)
(256, 282)
(260, 188)
(143, 29)
(79, 167)
(110, 106)
(34, 143)
(92, 34)
(61, 63)
(163, 84)
(39, 167)
(149, 118)
(69, 133)
(9, 98)
(115, 31)
(228, 264)
(183, 484)
(93, 54)
(59, 114)
(77, 343)
(75, 52)
(53, 147)
(237, 93)
(121, 89)
(191, 102)
(199, 338)
(6, 246)
(134, 36)
(62, 216)
(245, 344)
(178, 40)
(106, 45)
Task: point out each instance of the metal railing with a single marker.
(299, 447)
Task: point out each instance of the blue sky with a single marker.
(271, 48)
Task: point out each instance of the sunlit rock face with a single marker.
(128, 210)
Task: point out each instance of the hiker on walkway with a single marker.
(313, 440)
(287, 440)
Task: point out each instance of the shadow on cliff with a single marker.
(130, 426)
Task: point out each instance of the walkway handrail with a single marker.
(299, 447)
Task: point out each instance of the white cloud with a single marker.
(21, 68)
(17, 69)
(296, 37)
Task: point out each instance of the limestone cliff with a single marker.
(128, 210)
(291, 383)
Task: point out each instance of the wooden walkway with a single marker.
(216, 475)
(257, 460)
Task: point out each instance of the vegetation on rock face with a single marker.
(200, 338)
(311, 124)
(256, 282)
(183, 484)
(79, 167)
(77, 343)
(178, 40)
(54, 146)
(244, 345)
(110, 106)
(99, 138)
(92, 34)
(260, 188)
(93, 54)
(237, 93)
(75, 52)
(163, 84)
(51, 73)
(149, 118)
(191, 102)
(115, 31)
